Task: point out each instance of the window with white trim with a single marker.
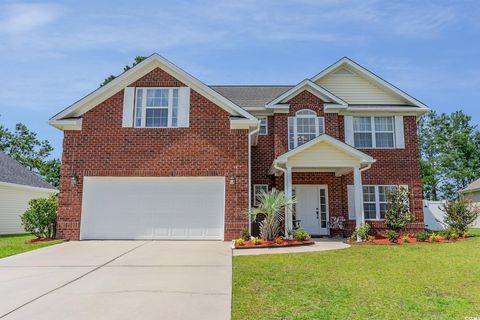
(156, 108)
(375, 201)
(258, 189)
(374, 132)
(263, 126)
(304, 127)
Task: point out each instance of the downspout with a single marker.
(275, 165)
(250, 134)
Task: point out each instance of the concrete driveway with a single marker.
(118, 280)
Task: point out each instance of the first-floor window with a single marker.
(375, 201)
(258, 189)
(156, 107)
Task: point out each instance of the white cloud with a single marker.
(21, 18)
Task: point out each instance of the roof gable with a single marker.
(348, 150)
(375, 90)
(312, 87)
(152, 62)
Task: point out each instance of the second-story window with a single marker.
(373, 132)
(304, 127)
(156, 108)
(263, 126)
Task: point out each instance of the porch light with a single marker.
(232, 180)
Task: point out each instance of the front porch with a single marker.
(324, 175)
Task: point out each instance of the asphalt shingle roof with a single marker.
(251, 96)
(12, 171)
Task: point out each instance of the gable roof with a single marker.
(311, 86)
(251, 96)
(152, 62)
(363, 157)
(474, 186)
(13, 172)
(345, 61)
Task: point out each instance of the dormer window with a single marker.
(304, 127)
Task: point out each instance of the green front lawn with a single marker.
(426, 281)
(13, 244)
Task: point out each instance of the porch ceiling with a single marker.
(322, 154)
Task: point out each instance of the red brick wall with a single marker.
(103, 148)
(393, 166)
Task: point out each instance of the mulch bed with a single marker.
(272, 244)
(385, 241)
(36, 240)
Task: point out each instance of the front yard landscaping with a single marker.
(13, 244)
(428, 281)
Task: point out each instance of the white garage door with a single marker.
(153, 208)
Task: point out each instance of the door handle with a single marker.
(317, 213)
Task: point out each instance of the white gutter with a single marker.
(250, 134)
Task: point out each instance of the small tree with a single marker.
(272, 207)
(460, 213)
(41, 217)
(399, 215)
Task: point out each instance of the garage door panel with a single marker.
(157, 208)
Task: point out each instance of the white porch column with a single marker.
(357, 182)
(288, 193)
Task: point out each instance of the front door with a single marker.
(312, 208)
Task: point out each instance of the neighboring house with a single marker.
(157, 154)
(472, 191)
(18, 186)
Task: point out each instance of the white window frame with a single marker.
(373, 132)
(144, 106)
(264, 125)
(260, 187)
(312, 114)
(377, 200)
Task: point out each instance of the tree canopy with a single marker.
(450, 154)
(136, 61)
(24, 146)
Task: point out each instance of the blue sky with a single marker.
(53, 53)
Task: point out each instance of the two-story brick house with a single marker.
(158, 154)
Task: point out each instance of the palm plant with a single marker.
(272, 210)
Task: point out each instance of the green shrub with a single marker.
(301, 235)
(399, 215)
(460, 213)
(40, 218)
(362, 231)
(454, 236)
(392, 235)
(245, 235)
(406, 239)
(422, 236)
(434, 237)
(370, 238)
(240, 242)
(256, 241)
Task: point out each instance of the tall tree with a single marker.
(136, 61)
(25, 147)
(450, 154)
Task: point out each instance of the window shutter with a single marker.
(351, 202)
(349, 130)
(128, 104)
(184, 107)
(399, 133)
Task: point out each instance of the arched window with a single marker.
(304, 127)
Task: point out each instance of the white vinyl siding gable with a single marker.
(355, 89)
